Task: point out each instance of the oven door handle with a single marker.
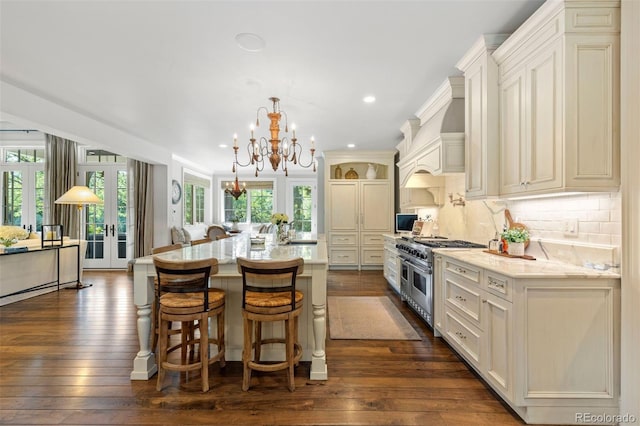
(419, 268)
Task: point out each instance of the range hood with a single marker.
(438, 145)
(433, 184)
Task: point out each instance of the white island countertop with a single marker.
(522, 268)
(229, 249)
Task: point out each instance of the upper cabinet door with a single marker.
(375, 204)
(567, 55)
(512, 136)
(543, 149)
(343, 206)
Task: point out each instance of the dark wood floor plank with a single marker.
(73, 368)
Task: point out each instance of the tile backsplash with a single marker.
(597, 215)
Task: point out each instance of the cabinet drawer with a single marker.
(391, 276)
(466, 298)
(462, 269)
(343, 256)
(390, 242)
(463, 336)
(372, 256)
(372, 239)
(390, 263)
(343, 239)
(499, 285)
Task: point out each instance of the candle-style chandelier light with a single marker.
(234, 189)
(279, 151)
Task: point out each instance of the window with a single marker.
(24, 155)
(193, 204)
(302, 208)
(302, 204)
(194, 196)
(256, 206)
(22, 184)
(102, 156)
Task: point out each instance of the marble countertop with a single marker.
(521, 268)
(229, 249)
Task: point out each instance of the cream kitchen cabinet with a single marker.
(482, 130)
(559, 97)
(548, 346)
(391, 270)
(358, 211)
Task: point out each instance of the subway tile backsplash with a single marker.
(598, 216)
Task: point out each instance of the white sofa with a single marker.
(32, 273)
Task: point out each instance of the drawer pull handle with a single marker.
(495, 283)
(462, 271)
(460, 335)
(460, 298)
(484, 300)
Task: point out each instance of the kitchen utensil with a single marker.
(515, 225)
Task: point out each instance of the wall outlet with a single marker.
(571, 227)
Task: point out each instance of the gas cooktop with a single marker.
(444, 243)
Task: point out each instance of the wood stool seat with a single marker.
(268, 295)
(189, 301)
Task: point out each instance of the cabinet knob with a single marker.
(484, 300)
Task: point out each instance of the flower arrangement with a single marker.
(10, 235)
(516, 235)
(279, 218)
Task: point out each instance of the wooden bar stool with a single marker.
(154, 311)
(186, 302)
(269, 294)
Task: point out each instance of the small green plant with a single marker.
(516, 235)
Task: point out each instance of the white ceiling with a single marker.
(170, 72)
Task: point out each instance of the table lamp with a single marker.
(79, 195)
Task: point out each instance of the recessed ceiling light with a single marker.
(223, 145)
(351, 145)
(369, 99)
(250, 42)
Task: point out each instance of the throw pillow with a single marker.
(177, 235)
(187, 236)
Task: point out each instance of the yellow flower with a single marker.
(10, 233)
(279, 218)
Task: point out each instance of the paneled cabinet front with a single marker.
(517, 334)
(559, 97)
(359, 212)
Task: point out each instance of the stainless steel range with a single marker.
(416, 279)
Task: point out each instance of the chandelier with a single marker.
(279, 151)
(234, 190)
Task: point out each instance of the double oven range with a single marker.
(416, 279)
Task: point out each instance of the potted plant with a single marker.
(516, 238)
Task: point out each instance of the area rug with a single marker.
(367, 318)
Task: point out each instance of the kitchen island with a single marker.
(312, 282)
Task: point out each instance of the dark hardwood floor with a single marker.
(65, 358)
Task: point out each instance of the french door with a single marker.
(105, 226)
(23, 195)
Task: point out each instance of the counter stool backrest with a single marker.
(259, 275)
(214, 231)
(185, 276)
(162, 249)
